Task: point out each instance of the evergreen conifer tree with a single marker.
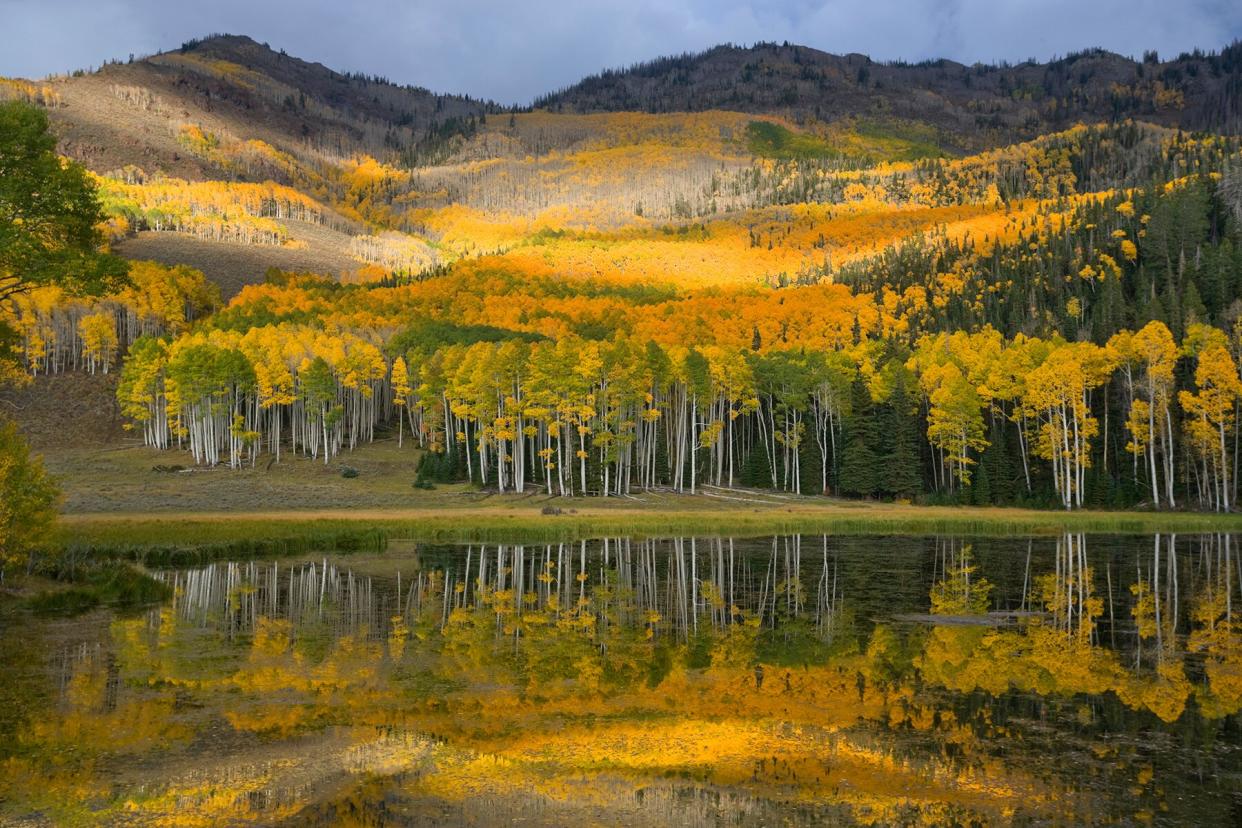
(899, 465)
(859, 473)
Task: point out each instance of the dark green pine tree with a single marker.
(899, 464)
(859, 475)
(1235, 268)
(1154, 312)
(1143, 294)
(754, 471)
(1210, 278)
(1193, 309)
(1109, 312)
(981, 486)
(1006, 473)
(994, 480)
(1015, 311)
(1172, 304)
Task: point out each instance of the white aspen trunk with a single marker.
(1168, 458)
(1151, 453)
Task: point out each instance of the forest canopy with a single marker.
(1081, 351)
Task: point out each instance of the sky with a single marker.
(510, 51)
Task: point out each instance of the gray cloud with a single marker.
(512, 51)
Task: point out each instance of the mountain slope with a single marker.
(236, 158)
(975, 106)
(231, 85)
(560, 299)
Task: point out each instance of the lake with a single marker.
(799, 680)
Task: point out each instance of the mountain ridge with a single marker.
(968, 108)
(361, 158)
(1026, 99)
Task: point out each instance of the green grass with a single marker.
(111, 584)
(768, 140)
(186, 538)
(899, 141)
(860, 140)
(164, 544)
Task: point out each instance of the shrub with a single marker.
(28, 499)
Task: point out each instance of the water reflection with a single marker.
(794, 680)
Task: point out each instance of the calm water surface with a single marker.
(776, 681)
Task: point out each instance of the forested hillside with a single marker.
(764, 267)
(970, 106)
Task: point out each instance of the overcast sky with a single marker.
(512, 50)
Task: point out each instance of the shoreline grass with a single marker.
(117, 585)
(181, 536)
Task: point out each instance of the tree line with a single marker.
(973, 417)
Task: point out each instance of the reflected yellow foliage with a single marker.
(564, 692)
